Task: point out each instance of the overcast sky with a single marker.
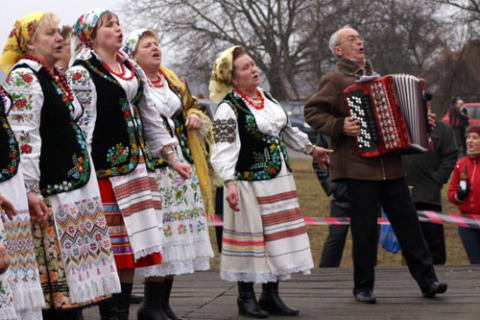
(68, 10)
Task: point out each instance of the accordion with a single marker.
(392, 113)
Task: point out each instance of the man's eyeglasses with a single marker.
(351, 39)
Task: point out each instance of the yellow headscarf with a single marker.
(16, 46)
(221, 80)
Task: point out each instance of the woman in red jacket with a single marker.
(468, 198)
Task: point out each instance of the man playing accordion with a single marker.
(371, 181)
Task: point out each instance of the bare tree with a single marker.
(267, 29)
(472, 6)
(288, 39)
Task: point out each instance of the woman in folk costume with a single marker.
(187, 247)
(73, 246)
(264, 237)
(7, 308)
(16, 230)
(125, 134)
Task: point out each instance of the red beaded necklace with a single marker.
(4, 96)
(157, 83)
(250, 102)
(57, 77)
(121, 75)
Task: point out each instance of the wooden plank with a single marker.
(327, 294)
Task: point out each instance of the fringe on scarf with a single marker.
(200, 148)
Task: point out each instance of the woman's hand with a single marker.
(431, 121)
(321, 155)
(182, 168)
(38, 209)
(232, 196)
(8, 207)
(4, 258)
(193, 122)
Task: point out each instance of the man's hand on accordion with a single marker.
(351, 127)
(321, 155)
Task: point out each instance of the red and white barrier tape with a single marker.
(459, 219)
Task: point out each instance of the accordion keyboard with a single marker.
(360, 107)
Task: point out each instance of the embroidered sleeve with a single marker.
(24, 118)
(295, 139)
(155, 132)
(225, 130)
(84, 89)
(227, 147)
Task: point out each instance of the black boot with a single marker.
(59, 314)
(76, 314)
(136, 298)
(272, 303)
(109, 308)
(123, 301)
(247, 304)
(166, 290)
(151, 308)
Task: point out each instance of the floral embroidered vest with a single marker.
(259, 157)
(9, 152)
(117, 143)
(64, 160)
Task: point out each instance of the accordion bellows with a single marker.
(392, 113)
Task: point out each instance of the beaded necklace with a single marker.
(258, 106)
(157, 83)
(3, 94)
(57, 77)
(162, 89)
(121, 75)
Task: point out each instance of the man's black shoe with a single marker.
(366, 297)
(435, 287)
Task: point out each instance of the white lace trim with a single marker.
(177, 268)
(8, 313)
(30, 314)
(181, 252)
(28, 298)
(264, 277)
(101, 286)
(147, 251)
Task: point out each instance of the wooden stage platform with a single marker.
(327, 294)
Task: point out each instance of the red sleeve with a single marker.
(452, 189)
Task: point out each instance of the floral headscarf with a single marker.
(83, 30)
(221, 81)
(16, 45)
(131, 41)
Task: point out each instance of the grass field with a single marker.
(315, 203)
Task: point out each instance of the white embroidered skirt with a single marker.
(17, 237)
(266, 240)
(187, 246)
(82, 233)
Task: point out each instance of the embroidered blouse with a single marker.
(24, 116)
(84, 88)
(271, 120)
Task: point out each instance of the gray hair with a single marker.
(333, 42)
